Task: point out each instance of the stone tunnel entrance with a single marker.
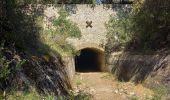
(90, 60)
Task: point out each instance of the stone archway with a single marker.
(90, 60)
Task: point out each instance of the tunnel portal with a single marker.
(89, 60)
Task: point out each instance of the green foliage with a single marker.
(81, 96)
(133, 98)
(33, 95)
(144, 29)
(19, 64)
(150, 23)
(5, 71)
(5, 68)
(28, 95)
(119, 31)
(159, 91)
(57, 42)
(65, 27)
(4, 65)
(50, 97)
(21, 28)
(78, 82)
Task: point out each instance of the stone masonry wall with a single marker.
(91, 37)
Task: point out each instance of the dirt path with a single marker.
(103, 86)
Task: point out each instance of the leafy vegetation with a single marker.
(83, 96)
(119, 30)
(27, 95)
(144, 28)
(10, 65)
(4, 65)
(150, 24)
(66, 27)
(5, 70)
(159, 92)
(133, 98)
(78, 82)
(24, 39)
(63, 28)
(33, 95)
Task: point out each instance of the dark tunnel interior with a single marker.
(89, 60)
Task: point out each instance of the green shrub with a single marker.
(4, 65)
(150, 23)
(144, 29)
(19, 64)
(8, 67)
(119, 31)
(66, 27)
(159, 91)
(83, 96)
(5, 71)
(56, 38)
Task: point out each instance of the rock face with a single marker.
(46, 74)
(150, 69)
(49, 77)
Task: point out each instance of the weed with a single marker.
(107, 76)
(56, 38)
(118, 31)
(83, 96)
(159, 92)
(5, 71)
(78, 82)
(133, 98)
(4, 65)
(19, 64)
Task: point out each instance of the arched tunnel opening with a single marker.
(90, 60)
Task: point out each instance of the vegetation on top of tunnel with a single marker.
(66, 27)
(63, 28)
(144, 28)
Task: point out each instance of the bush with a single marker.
(4, 69)
(9, 67)
(159, 92)
(119, 30)
(150, 23)
(145, 28)
(4, 65)
(63, 28)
